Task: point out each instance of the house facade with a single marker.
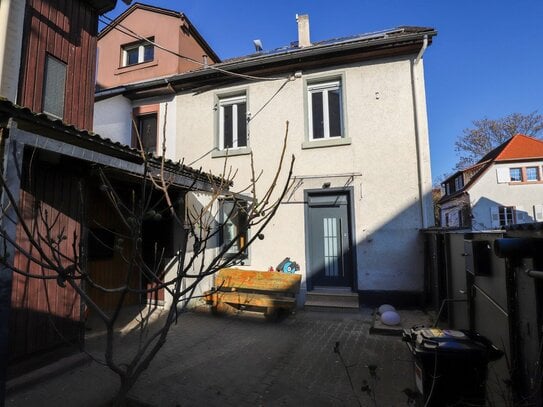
(504, 188)
(354, 106)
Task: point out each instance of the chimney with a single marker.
(303, 30)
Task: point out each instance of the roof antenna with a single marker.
(258, 45)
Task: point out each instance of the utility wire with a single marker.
(135, 35)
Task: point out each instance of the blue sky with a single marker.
(486, 60)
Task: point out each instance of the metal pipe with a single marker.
(418, 138)
(422, 50)
(535, 274)
(446, 301)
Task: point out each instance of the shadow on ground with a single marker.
(245, 361)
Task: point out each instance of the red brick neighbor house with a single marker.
(137, 59)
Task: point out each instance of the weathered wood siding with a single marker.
(45, 315)
(65, 29)
(110, 272)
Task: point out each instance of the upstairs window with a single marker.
(532, 174)
(137, 53)
(458, 183)
(515, 174)
(233, 122)
(234, 227)
(325, 110)
(54, 87)
(147, 130)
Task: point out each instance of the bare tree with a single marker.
(487, 134)
(47, 243)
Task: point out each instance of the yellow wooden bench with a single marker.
(268, 291)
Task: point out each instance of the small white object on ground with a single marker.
(386, 307)
(390, 318)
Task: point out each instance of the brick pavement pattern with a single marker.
(245, 361)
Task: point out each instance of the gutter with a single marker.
(418, 136)
(315, 50)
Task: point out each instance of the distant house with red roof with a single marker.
(505, 187)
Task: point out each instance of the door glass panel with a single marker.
(327, 200)
(330, 238)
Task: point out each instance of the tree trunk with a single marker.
(121, 398)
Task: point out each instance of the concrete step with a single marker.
(331, 299)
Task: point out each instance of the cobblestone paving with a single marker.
(246, 361)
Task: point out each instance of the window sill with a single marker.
(230, 152)
(326, 143)
(135, 67)
(525, 182)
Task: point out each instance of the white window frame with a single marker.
(233, 101)
(536, 174)
(140, 46)
(504, 213)
(538, 213)
(511, 176)
(458, 183)
(325, 87)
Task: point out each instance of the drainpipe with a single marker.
(12, 14)
(419, 139)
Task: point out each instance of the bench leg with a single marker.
(220, 308)
(273, 314)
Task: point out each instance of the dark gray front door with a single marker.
(329, 240)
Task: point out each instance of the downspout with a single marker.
(418, 136)
(12, 14)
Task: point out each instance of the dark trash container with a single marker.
(450, 365)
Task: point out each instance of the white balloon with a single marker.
(390, 318)
(385, 308)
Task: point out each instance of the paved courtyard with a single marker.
(246, 361)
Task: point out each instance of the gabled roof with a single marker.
(518, 148)
(139, 6)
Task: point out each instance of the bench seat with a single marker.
(237, 289)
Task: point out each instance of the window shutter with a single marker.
(55, 87)
(521, 215)
(538, 213)
(494, 217)
(503, 175)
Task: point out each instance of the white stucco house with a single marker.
(356, 109)
(505, 187)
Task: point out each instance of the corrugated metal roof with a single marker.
(83, 138)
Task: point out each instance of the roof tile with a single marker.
(521, 147)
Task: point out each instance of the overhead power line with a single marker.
(135, 35)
